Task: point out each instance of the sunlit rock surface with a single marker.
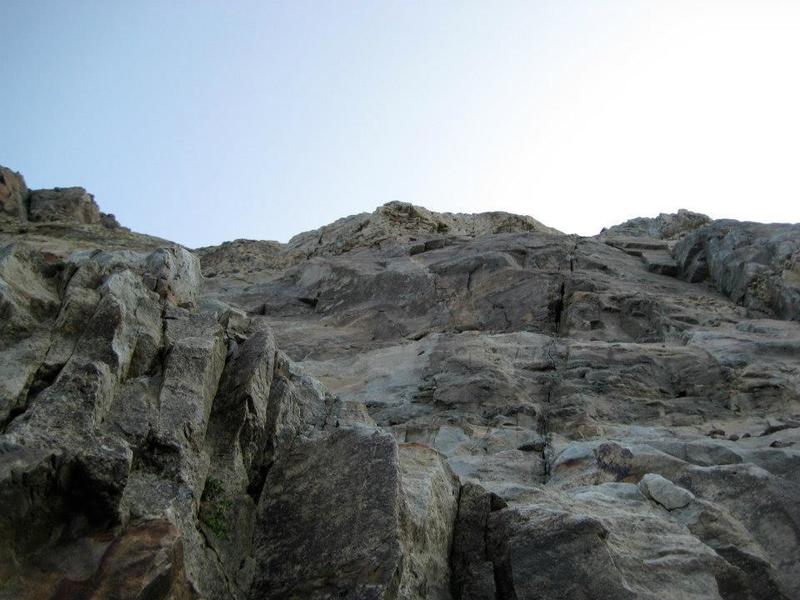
(401, 404)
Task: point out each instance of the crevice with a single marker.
(330, 402)
(256, 483)
(455, 590)
(68, 273)
(504, 582)
(155, 456)
(220, 565)
(558, 307)
(13, 414)
(502, 308)
(544, 431)
(472, 550)
(312, 302)
(45, 376)
(469, 277)
(501, 571)
(159, 365)
(544, 425)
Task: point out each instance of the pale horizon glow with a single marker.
(204, 121)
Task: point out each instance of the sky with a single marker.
(202, 121)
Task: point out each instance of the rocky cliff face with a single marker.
(402, 404)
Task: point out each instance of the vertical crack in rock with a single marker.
(555, 378)
(475, 572)
(558, 308)
(469, 276)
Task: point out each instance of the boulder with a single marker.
(594, 543)
(310, 543)
(663, 491)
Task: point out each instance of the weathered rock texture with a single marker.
(402, 404)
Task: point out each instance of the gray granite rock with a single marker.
(348, 515)
(402, 404)
(663, 491)
(756, 265)
(664, 226)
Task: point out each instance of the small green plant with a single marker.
(214, 489)
(214, 508)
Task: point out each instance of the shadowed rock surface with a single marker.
(401, 404)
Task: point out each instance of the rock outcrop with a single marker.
(755, 265)
(663, 227)
(402, 404)
(13, 196)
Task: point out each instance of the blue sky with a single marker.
(207, 121)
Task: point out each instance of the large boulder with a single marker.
(329, 527)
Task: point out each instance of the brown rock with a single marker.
(13, 196)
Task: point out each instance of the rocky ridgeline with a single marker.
(402, 404)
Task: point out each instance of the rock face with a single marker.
(402, 404)
(70, 204)
(13, 196)
(755, 265)
(662, 227)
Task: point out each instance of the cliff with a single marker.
(402, 404)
